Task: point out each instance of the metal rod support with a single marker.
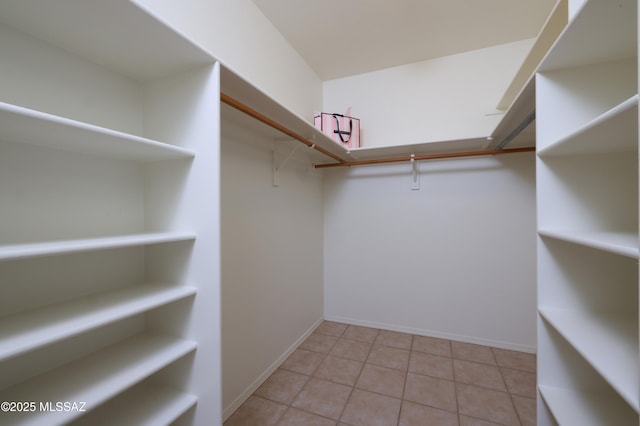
(523, 125)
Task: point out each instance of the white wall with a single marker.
(455, 259)
(240, 36)
(272, 274)
(453, 97)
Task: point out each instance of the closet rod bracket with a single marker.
(415, 173)
(277, 167)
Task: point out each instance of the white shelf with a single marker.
(548, 34)
(51, 248)
(623, 243)
(145, 404)
(608, 342)
(584, 408)
(95, 378)
(27, 331)
(614, 131)
(118, 35)
(601, 31)
(24, 125)
(240, 90)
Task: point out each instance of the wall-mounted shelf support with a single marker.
(515, 132)
(277, 167)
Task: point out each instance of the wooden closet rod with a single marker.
(342, 163)
(269, 122)
(425, 157)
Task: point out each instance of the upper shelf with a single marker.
(117, 34)
(550, 31)
(240, 90)
(24, 125)
(601, 31)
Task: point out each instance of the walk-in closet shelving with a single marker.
(109, 242)
(248, 96)
(244, 103)
(587, 186)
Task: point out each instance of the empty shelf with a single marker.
(94, 379)
(609, 343)
(27, 331)
(51, 248)
(624, 243)
(615, 130)
(570, 407)
(145, 404)
(24, 125)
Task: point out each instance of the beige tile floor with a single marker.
(345, 375)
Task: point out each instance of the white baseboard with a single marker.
(437, 334)
(228, 411)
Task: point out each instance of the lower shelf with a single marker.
(94, 379)
(570, 407)
(24, 332)
(608, 343)
(145, 404)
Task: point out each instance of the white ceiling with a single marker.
(338, 38)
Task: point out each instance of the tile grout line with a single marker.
(406, 379)
(341, 335)
(504, 382)
(311, 375)
(455, 383)
(353, 388)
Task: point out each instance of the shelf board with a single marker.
(608, 342)
(236, 87)
(571, 407)
(601, 31)
(623, 243)
(52, 248)
(24, 125)
(119, 35)
(615, 130)
(553, 26)
(145, 404)
(96, 378)
(28, 331)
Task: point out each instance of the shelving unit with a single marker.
(587, 192)
(109, 243)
